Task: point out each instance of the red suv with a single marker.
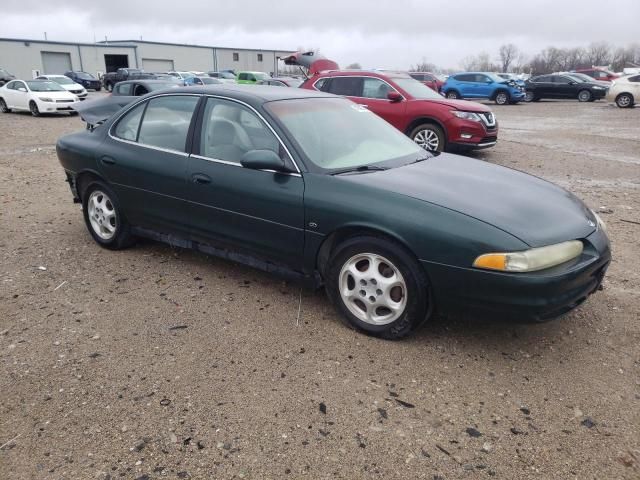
(432, 121)
(598, 74)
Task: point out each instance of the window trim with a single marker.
(358, 76)
(297, 173)
(144, 145)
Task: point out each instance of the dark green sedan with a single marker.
(315, 187)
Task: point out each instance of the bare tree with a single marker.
(354, 66)
(424, 66)
(599, 53)
(480, 62)
(508, 54)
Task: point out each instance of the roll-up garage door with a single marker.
(156, 65)
(55, 63)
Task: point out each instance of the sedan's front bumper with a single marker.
(535, 296)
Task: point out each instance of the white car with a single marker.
(625, 91)
(181, 75)
(36, 96)
(66, 83)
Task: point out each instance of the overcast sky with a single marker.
(375, 33)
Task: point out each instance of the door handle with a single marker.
(201, 178)
(107, 160)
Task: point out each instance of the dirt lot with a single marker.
(157, 362)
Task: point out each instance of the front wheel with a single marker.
(429, 136)
(378, 287)
(529, 97)
(33, 108)
(584, 96)
(624, 100)
(453, 95)
(502, 98)
(3, 106)
(108, 87)
(104, 218)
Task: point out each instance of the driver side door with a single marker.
(243, 210)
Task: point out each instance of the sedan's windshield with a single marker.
(336, 133)
(44, 86)
(227, 75)
(62, 80)
(261, 76)
(416, 89)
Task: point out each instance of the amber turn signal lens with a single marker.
(492, 261)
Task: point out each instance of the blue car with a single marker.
(483, 85)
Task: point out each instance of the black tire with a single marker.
(529, 97)
(121, 237)
(453, 95)
(108, 87)
(3, 106)
(584, 96)
(418, 306)
(625, 100)
(433, 138)
(33, 108)
(502, 97)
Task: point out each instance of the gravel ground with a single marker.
(157, 362)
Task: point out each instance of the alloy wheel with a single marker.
(3, 106)
(502, 98)
(373, 289)
(427, 139)
(528, 97)
(452, 95)
(33, 108)
(102, 215)
(623, 101)
(584, 96)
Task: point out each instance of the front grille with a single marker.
(76, 91)
(489, 119)
(65, 101)
(491, 138)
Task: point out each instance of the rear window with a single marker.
(346, 86)
(166, 122)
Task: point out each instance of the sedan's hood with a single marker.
(535, 211)
(55, 95)
(72, 86)
(464, 105)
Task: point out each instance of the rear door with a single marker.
(484, 86)
(466, 85)
(144, 158)
(242, 209)
(544, 87)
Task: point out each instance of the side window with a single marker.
(251, 77)
(417, 76)
(236, 57)
(242, 76)
(561, 80)
(428, 78)
(19, 84)
(166, 122)
(322, 84)
(479, 78)
(346, 86)
(140, 90)
(375, 88)
(635, 79)
(127, 127)
(229, 130)
(11, 85)
(259, 57)
(124, 89)
(465, 78)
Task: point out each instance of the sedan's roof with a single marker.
(253, 94)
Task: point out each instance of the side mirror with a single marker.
(573, 83)
(263, 160)
(22, 89)
(394, 97)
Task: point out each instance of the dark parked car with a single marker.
(432, 121)
(5, 77)
(562, 86)
(85, 79)
(319, 188)
(110, 79)
(95, 111)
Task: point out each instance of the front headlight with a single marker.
(600, 222)
(598, 88)
(474, 117)
(531, 260)
(46, 99)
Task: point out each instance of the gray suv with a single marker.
(5, 76)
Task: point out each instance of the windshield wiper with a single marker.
(361, 168)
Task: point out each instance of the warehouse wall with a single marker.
(93, 57)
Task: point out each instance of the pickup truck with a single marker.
(122, 74)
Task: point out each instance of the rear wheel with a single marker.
(104, 218)
(584, 95)
(624, 100)
(3, 106)
(429, 136)
(452, 94)
(378, 287)
(502, 98)
(33, 108)
(529, 97)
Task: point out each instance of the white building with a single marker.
(23, 58)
